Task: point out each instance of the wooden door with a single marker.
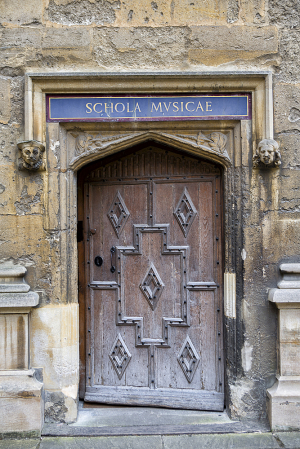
(154, 271)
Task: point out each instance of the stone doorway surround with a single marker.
(70, 146)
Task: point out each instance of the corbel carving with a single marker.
(267, 154)
(31, 155)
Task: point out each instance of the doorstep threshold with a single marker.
(125, 421)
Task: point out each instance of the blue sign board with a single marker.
(148, 108)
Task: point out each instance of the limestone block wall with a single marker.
(153, 36)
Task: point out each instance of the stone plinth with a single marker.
(21, 402)
(284, 396)
(21, 394)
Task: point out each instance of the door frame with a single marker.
(60, 180)
(83, 280)
(232, 165)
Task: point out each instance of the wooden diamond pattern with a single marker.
(152, 286)
(118, 214)
(119, 356)
(185, 212)
(188, 359)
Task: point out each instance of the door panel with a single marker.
(154, 306)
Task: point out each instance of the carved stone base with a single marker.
(283, 403)
(284, 396)
(21, 402)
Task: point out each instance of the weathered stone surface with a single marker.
(290, 160)
(284, 396)
(284, 14)
(289, 357)
(289, 49)
(47, 325)
(19, 444)
(30, 299)
(138, 48)
(219, 45)
(65, 37)
(289, 439)
(9, 136)
(13, 341)
(289, 331)
(82, 13)
(54, 347)
(31, 12)
(14, 228)
(5, 96)
(253, 12)
(145, 442)
(286, 108)
(27, 202)
(229, 441)
(30, 195)
(21, 402)
(21, 37)
(237, 38)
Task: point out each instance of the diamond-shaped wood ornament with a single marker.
(119, 356)
(188, 359)
(185, 212)
(152, 286)
(118, 214)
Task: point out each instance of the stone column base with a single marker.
(21, 403)
(283, 403)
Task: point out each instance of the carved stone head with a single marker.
(31, 155)
(267, 154)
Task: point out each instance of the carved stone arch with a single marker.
(90, 147)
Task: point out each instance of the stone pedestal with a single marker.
(21, 394)
(284, 396)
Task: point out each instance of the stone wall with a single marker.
(153, 36)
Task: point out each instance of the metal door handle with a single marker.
(112, 251)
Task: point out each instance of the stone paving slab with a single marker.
(19, 444)
(228, 441)
(129, 442)
(290, 440)
(287, 440)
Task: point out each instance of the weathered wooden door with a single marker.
(154, 270)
